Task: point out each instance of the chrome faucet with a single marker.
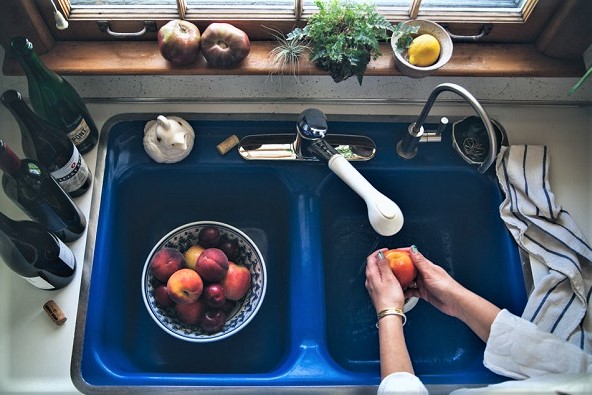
(407, 147)
(313, 144)
(384, 215)
(310, 127)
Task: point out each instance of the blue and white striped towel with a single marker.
(560, 302)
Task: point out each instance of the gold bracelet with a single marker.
(391, 311)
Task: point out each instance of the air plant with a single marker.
(285, 56)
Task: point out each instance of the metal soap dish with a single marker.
(470, 140)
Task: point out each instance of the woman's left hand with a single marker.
(382, 285)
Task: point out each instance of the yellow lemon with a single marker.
(424, 50)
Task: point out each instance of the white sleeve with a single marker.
(402, 383)
(516, 348)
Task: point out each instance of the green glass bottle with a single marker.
(54, 99)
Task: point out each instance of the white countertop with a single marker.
(36, 353)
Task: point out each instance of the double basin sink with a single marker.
(315, 332)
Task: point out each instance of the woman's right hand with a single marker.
(434, 284)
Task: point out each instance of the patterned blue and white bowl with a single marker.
(181, 239)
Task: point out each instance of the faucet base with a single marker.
(283, 147)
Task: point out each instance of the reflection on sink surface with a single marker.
(316, 325)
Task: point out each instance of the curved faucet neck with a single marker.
(465, 94)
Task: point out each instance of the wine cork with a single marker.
(54, 312)
(227, 144)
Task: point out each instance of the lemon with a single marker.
(424, 50)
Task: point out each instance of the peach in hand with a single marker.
(237, 281)
(165, 262)
(212, 264)
(402, 266)
(184, 286)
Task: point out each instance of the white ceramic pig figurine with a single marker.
(168, 140)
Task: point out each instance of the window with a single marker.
(497, 8)
(251, 15)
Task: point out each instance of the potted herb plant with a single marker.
(343, 37)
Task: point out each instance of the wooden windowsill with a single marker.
(143, 58)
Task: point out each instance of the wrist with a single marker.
(458, 298)
(391, 312)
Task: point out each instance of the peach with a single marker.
(165, 262)
(212, 264)
(184, 286)
(192, 254)
(237, 281)
(401, 266)
(161, 296)
(190, 313)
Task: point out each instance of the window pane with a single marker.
(261, 4)
(473, 4)
(393, 4)
(126, 3)
(232, 6)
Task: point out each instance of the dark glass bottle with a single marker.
(49, 146)
(33, 189)
(35, 254)
(54, 99)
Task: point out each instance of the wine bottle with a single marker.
(32, 188)
(54, 99)
(49, 146)
(35, 254)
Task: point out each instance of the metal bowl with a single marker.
(425, 27)
(245, 309)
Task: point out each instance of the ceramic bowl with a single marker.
(244, 310)
(425, 27)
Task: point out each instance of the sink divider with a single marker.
(309, 357)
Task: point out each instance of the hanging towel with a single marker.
(560, 301)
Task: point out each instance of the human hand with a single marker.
(434, 284)
(382, 285)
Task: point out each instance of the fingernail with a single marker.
(380, 255)
(414, 249)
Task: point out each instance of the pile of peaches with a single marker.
(202, 284)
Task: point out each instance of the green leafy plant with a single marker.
(343, 37)
(403, 36)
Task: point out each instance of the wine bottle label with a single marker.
(79, 133)
(73, 174)
(66, 254)
(39, 282)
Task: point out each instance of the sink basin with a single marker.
(451, 215)
(315, 328)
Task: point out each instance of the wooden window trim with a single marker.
(143, 58)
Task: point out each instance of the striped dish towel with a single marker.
(560, 302)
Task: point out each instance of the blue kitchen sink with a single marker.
(315, 329)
